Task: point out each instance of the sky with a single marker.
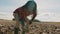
(47, 10)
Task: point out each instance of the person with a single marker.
(21, 13)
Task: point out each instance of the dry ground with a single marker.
(36, 27)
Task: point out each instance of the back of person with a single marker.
(26, 10)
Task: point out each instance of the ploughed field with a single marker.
(7, 27)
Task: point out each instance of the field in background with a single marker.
(10, 22)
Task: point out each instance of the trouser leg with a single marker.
(27, 24)
(22, 21)
(16, 28)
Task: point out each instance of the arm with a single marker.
(34, 15)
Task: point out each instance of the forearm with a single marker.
(33, 18)
(34, 15)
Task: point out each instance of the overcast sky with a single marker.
(47, 10)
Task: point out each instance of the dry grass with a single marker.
(10, 22)
(37, 27)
